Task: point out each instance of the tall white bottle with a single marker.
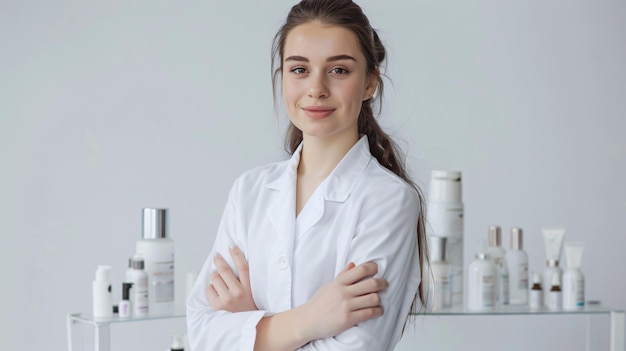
(498, 257)
(158, 253)
(517, 260)
(573, 278)
(445, 219)
(101, 293)
(481, 279)
(439, 276)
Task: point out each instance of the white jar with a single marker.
(481, 276)
(158, 253)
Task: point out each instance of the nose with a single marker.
(318, 86)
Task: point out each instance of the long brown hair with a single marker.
(349, 15)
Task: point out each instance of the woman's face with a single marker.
(325, 80)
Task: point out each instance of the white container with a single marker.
(439, 282)
(553, 244)
(555, 297)
(517, 260)
(549, 272)
(498, 257)
(139, 293)
(101, 293)
(481, 278)
(445, 219)
(158, 253)
(536, 297)
(573, 278)
(125, 305)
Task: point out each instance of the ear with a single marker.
(371, 84)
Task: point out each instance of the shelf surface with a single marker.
(88, 318)
(518, 310)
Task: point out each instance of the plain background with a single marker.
(109, 107)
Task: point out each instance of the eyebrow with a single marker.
(330, 59)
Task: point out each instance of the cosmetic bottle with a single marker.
(439, 275)
(481, 276)
(445, 216)
(555, 301)
(158, 253)
(573, 278)
(177, 343)
(553, 242)
(124, 307)
(497, 254)
(535, 300)
(101, 293)
(139, 293)
(517, 260)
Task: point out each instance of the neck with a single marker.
(320, 156)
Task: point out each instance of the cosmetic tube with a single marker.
(573, 278)
(553, 242)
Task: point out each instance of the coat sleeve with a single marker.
(220, 330)
(387, 234)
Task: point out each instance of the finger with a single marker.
(348, 267)
(367, 286)
(364, 301)
(358, 273)
(218, 284)
(242, 265)
(211, 294)
(226, 272)
(362, 315)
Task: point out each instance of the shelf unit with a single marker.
(617, 320)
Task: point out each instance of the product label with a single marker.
(443, 291)
(163, 283)
(488, 291)
(504, 287)
(523, 276)
(580, 293)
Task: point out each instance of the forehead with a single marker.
(314, 39)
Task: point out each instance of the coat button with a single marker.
(282, 262)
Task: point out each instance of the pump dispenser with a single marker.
(158, 253)
(101, 293)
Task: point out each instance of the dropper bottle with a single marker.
(536, 293)
(554, 295)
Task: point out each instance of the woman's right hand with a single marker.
(351, 298)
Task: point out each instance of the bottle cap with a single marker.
(437, 248)
(517, 239)
(177, 343)
(481, 252)
(552, 263)
(102, 273)
(137, 262)
(495, 236)
(445, 186)
(154, 223)
(126, 290)
(536, 278)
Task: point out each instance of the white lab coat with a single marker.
(361, 212)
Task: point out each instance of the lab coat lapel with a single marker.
(337, 186)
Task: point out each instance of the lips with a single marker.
(318, 112)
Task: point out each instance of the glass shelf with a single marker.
(89, 319)
(520, 310)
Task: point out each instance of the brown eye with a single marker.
(339, 70)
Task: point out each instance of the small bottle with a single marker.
(573, 278)
(158, 252)
(555, 301)
(517, 260)
(440, 275)
(124, 307)
(552, 269)
(481, 276)
(536, 293)
(101, 293)
(139, 294)
(177, 343)
(498, 257)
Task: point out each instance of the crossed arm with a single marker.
(351, 298)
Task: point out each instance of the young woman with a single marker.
(322, 251)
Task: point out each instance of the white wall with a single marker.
(109, 107)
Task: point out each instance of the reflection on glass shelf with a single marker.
(88, 318)
(519, 310)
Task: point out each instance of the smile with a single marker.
(318, 112)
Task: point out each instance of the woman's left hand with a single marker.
(227, 292)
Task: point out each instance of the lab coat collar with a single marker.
(339, 183)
